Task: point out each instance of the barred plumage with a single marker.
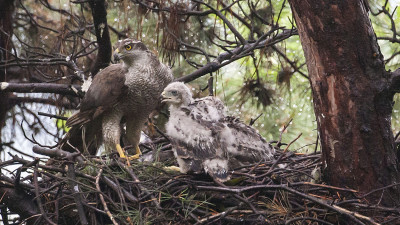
(128, 91)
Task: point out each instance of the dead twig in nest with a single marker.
(102, 198)
(274, 192)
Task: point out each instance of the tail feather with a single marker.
(89, 141)
(80, 118)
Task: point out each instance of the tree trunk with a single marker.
(6, 32)
(352, 100)
(99, 13)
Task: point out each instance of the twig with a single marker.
(160, 132)
(292, 142)
(356, 214)
(329, 187)
(252, 121)
(283, 130)
(115, 187)
(75, 190)
(283, 153)
(226, 21)
(52, 116)
(221, 214)
(303, 219)
(379, 189)
(136, 179)
(102, 198)
(38, 198)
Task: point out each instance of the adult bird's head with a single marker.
(177, 94)
(129, 50)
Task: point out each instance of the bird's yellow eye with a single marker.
(128, 47)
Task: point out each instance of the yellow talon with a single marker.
(122, 154)
(137, 155)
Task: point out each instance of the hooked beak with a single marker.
(164, 97)
(117, 56)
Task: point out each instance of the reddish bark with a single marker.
(351, 94)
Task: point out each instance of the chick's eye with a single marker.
(174, 93)
(128, 47)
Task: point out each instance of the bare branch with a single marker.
(38, 197)
(74, 187)
(52, 116)
(63, 89)
(102, 198)
(226, 21)
(156, 7)
(237, 53)
(55, 153)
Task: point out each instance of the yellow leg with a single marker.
(120, 151)
(172, 169)
(122, 154)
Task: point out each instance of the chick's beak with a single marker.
(164, 97)
(117, 56)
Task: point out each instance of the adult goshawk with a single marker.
(128, 92)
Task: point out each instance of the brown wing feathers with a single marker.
(84, 117)
(106, 90)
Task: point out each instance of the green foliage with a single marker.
(383, 20)
(281, 92)
(291, 99)
(61, 125)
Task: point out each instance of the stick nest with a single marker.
(105, 190)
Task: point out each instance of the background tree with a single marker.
(353, 95)
(5, 45)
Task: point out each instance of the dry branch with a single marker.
(102, 198)
(228, 57)
(273, 192)
(64, 89)
(74, 187)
